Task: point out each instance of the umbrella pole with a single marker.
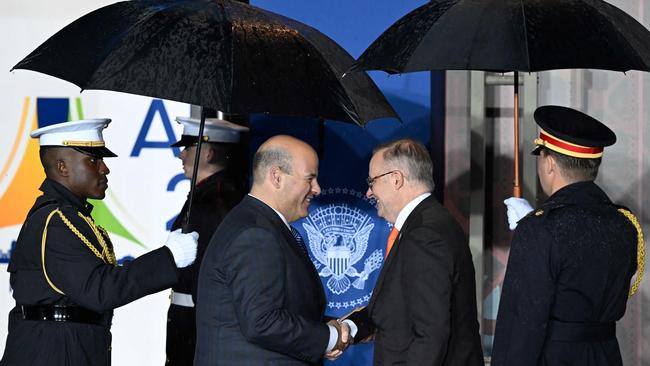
(195, 170)
(516, 189)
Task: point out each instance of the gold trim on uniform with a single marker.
(640, 250)
(555, 148)
(107, 255)
(43, 240)
(83, 143)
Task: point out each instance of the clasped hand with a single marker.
(343, 341)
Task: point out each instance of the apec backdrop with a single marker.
(145, 188)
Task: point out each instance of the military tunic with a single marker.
(213, 199)
(567, 282)
(75, 275)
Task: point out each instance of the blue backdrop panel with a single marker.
(346, 239)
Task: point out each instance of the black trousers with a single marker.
(181, 336)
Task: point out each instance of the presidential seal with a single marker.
(339, 239)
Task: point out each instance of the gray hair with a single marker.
(412, 157)
(264, 159)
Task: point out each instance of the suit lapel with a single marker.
(427, 202)
(384, 269)
(291, 243)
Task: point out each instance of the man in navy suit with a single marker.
(260, 300)
(423, 307)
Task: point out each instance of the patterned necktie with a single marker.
(391, 239)
(301, 243)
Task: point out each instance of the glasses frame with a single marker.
(371, 180)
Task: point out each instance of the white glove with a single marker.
(517, 209)
(183, 247)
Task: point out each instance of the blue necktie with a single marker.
(299, 241)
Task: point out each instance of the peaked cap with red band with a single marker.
(571, 132)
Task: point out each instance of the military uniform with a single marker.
(214, 197)
(66, 284)
(571, 261)
(567, 282)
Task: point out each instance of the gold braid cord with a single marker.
(43, 240)
(640, 251)
(83, 238)
(108, 256)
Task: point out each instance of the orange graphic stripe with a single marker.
(17, 139)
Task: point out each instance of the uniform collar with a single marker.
(63, 195)
(579, 193)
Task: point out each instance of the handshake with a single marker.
(352, 328)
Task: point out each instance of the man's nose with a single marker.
(315, 187)
(103, 168)
(369, 193)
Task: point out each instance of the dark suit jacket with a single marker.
(260, 301)
(424, 303)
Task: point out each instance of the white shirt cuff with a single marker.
(334, 336)
(353, 327)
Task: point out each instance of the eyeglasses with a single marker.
(371, 181)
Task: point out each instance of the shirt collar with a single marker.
(276, 211)
(406, 211)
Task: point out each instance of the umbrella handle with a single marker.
(516, 189)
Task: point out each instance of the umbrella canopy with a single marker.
(511, 35)
(222, 54)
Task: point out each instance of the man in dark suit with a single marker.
(423, 307)
(64, 274)
(571, 261)
(219, 187)
(260, 300)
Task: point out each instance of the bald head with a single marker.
(284, 175)
(278, 151)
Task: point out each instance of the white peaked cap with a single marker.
(84, 134)
(215, 130)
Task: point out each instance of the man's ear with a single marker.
(275, 174)
(61, 168)
(209, 153)
(397, 178)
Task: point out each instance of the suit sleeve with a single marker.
(527, 296)
(427, 283)
(257, 277)
(88, 281)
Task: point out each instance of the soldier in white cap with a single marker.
(220, 185)
(63, 271)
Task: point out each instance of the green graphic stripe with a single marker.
(104, 217)
(80, 111)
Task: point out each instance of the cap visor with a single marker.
(186, 140)
(99, 151)
(536, 150)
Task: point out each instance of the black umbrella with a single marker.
(222, 54)
(511, 35)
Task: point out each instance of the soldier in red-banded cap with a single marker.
(572, 260)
